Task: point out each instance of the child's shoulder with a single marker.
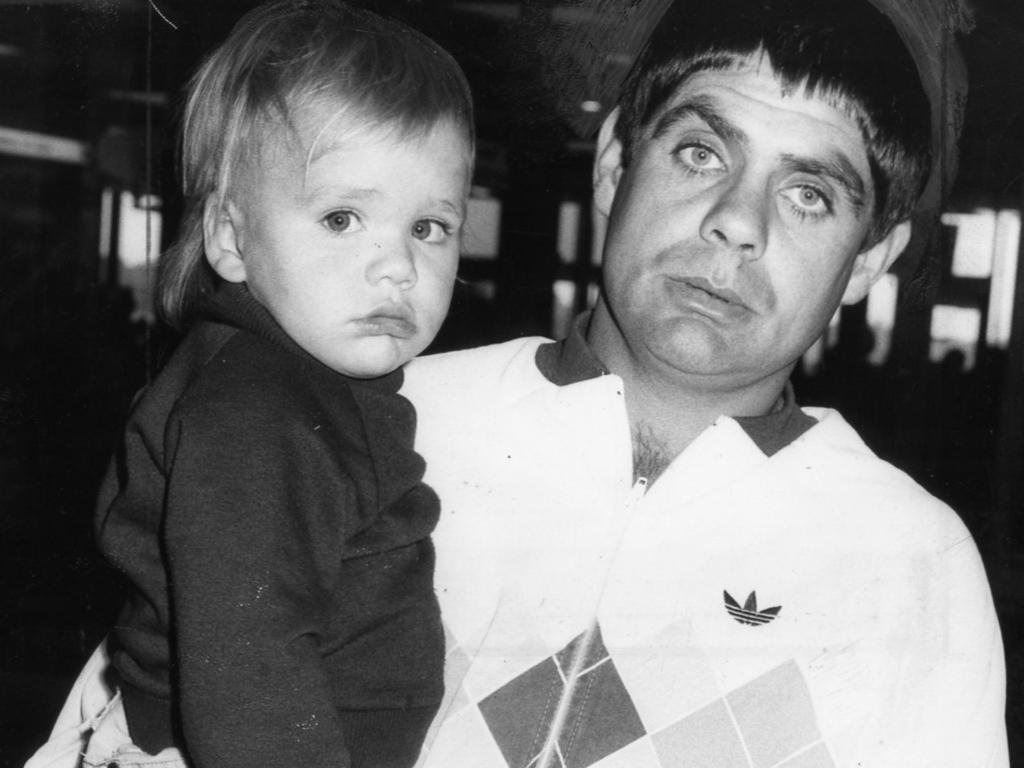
(222, 373)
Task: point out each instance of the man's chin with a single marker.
(696, 357)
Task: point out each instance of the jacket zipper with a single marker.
(550, 756)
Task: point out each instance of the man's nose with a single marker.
(392, 260)
(737, 220)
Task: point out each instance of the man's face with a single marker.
(354, 253)
(734, 230)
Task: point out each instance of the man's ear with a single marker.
(607, 164)
(871, 264)
(222, 221)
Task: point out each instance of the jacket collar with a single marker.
(571, 360)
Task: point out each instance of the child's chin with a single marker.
(373, 363)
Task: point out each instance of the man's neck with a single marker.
(650, 456)
(668, 408)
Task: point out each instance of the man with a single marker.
(648, 555)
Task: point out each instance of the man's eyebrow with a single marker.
(703, 108)
(839, 169)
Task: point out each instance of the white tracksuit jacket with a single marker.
(816, 608)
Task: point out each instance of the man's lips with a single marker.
(711, 300)
(391, 321)
(703, 284)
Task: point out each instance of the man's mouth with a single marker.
(711, 301)
(726, 295)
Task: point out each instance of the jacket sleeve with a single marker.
(253, 518)
(950, 693)
(969, 688)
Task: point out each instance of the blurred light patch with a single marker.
(881, 316)
(592, 293)
(598, 227)
(152, 98)
(138, 247)
(41, 146)
(591, 107)
(106, 222)
(568, 231)
(1004, 278)
(485, 290)
(987, 245)
(975, 240)
(482, 229)
(955, 330)
(564, 308)
(138, 241)
(834, 327)
(813, 359)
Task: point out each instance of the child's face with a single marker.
(355, 254)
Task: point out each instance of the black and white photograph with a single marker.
(511, 383)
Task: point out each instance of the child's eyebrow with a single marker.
(454, 209)
(361, 194)
(312, 194)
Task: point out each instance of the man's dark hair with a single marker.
(842, 51)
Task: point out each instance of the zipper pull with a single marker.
(636, 493)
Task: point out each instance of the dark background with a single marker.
(107, 73)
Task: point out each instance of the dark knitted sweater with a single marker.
(271, 517)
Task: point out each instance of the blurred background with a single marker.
(930, 368)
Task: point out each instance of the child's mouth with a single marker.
(397, 323)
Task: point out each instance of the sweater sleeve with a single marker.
(253, 527)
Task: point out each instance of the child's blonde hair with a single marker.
(279, 58)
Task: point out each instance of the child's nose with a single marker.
(392, 261)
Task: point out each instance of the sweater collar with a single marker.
(233, 304)
(571, 360)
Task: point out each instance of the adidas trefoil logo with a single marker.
(748, 613)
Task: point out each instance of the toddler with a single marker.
(266, 503)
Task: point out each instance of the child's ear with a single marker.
(607, 164)
(222, 221)
(874, 262)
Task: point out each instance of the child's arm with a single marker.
(249, 506)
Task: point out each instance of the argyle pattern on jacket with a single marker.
(769, 722)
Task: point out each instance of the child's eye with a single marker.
(340, 221)
(430, 231)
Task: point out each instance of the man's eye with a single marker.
(808, 200)
(430, 231)
(340, 221)
(700, 158)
